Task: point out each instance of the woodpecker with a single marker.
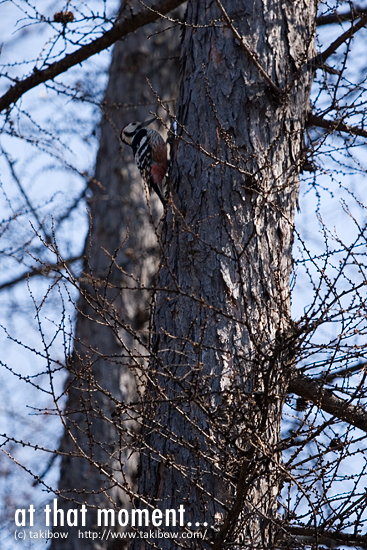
(150, 151)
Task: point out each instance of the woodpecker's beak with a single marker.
(147, 122)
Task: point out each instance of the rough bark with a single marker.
(223, 315)
(103, 368)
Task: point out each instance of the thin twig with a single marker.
(44, 270)
(21, 189)
(320, 59)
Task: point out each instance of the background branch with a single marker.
(328, 538)
(320, 59)
(44, 270)
(325, 399)
(336, 17)
(336, 125)
(118, 31)
(343, 373)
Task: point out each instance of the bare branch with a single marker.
(343, 373)
(44, 269)
(336, 17)
(320, 59)
(325, 399)
(118, 31)
(328, 537)
(336, 125)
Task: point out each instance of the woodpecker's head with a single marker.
(128, 132)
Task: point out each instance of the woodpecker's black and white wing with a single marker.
(143, 153)
(150, 152)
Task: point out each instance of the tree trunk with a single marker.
(104, 368)
(222, 320)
